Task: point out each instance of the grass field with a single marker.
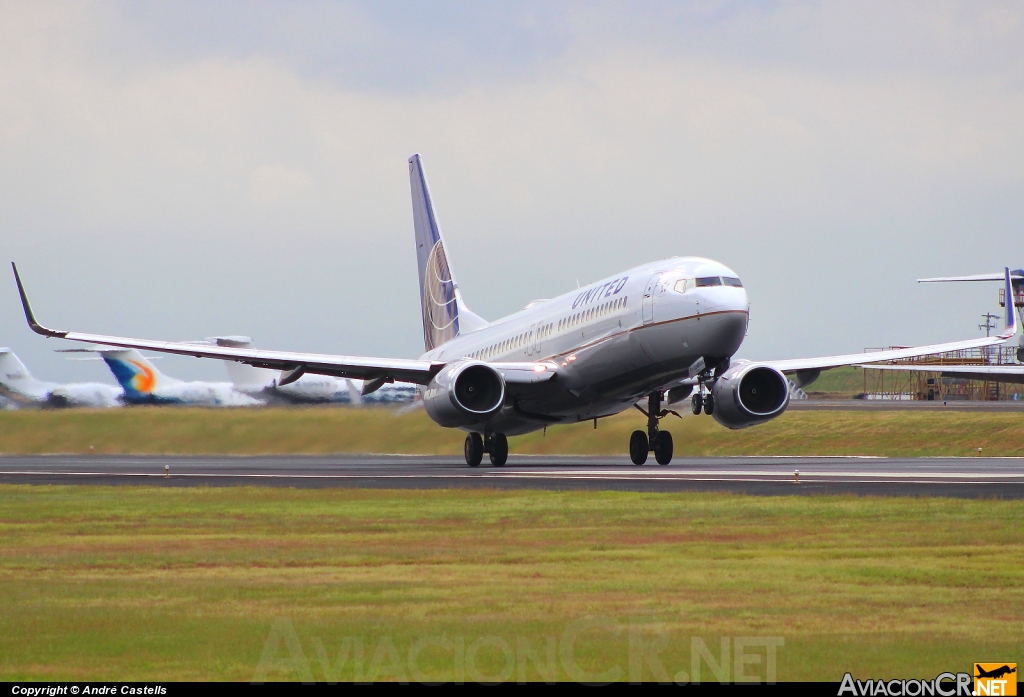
(380, 430)
(139, 583)
(838, 383)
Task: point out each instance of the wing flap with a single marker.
(363, 368)
(992, 373)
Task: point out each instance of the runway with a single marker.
(956, 477)
(903, 405)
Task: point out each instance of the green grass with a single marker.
(838, 383)
(339, 430)
(139, 583)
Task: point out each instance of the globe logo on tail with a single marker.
(440, 312)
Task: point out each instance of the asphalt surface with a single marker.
(902, 405)
(977, 477)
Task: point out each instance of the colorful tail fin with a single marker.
(445, 316)
(136, 374)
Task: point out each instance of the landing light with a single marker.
(539, 368)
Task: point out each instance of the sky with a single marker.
(189, 169)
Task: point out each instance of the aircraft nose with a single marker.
(726, 299)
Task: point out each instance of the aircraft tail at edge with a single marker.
(16, 381)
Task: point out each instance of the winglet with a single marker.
(1010, 325)
(35, 326)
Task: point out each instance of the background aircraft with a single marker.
(1016, 281)
(18, 385)
(143, 383)
(654, 331)
(262, 383)
(991, 373)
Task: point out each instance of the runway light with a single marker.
(796, 476)
(167, 471)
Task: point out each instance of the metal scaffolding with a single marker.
(931, 386)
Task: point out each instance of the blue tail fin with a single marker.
(437, 284)
(134, 372)
(1010, 321)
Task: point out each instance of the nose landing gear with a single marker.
(656, 440)
(494, 444)
(702, 401)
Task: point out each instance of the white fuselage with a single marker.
(18, 386)
(613, 341)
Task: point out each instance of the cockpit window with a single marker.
(734, 282)
(683, 285)
(709, 281)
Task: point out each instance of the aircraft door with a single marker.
(648, 304)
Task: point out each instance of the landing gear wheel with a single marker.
(638, 447)
(696, 403)
(663, 448)
(474, 449)
(709, 405)
(499, 450)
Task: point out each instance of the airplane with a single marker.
(996, 672)
(1009, 373)
(18, 385)
(143, 383)
(308, 389)
(659, 330)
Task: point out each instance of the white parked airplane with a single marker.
(655, 331)
(18, 385)
(143, 383)
(262, 383)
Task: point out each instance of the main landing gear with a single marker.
(702, 401)
(494, 444)
(656, 441)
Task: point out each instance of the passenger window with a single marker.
(709, 281)
(734, 282)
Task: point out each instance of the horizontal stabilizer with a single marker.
(1017, 275)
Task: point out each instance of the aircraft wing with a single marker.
(826, 362)
(993, 373)
(526, 373)
(293, 365)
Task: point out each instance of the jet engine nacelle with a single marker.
(464, 393)
(749, 394)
